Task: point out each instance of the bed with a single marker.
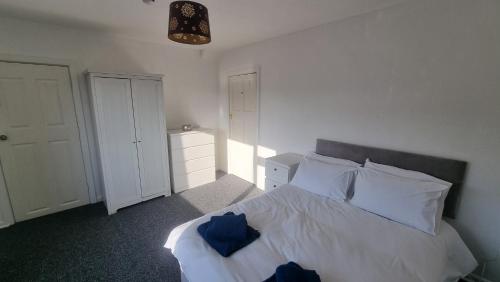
(339, 241)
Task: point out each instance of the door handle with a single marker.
(3, 137)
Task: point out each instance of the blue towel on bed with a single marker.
(292, 272)
(227, 227)
(228, 233)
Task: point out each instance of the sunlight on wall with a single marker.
(262, 154)
(240, 160)
(247, 163)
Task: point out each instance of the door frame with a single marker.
(83, 121)
(225, 111)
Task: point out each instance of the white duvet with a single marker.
(339, 241)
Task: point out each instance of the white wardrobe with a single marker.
(129, 118)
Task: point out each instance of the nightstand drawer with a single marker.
(272, 184)
(277, 172)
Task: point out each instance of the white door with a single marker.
(117, 141)
(242, 126)
(41, 157)
(151, 136)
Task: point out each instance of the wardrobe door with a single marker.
(151, 136)
(117, 141)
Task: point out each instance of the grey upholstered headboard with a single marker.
(450, 170)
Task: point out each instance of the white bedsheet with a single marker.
(339, 241)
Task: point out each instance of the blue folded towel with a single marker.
(227, 227)
(228, 233)
(292, 272)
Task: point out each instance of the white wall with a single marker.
(190, 82)
(423, 76)
(190, 79)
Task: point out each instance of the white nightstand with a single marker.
(280, 169)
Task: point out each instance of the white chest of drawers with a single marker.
(280, 169)
(192, 158)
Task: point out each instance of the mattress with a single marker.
(339, 241)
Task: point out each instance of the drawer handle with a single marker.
(274, 186)
(275, 169)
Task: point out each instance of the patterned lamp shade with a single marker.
(188, 23)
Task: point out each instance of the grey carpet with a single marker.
(85, 244)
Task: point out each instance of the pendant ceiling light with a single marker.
(188, 23)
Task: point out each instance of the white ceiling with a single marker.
(233, 22)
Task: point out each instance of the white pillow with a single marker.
(412, 202)
(326, 179)
(331, 160)
(404, 172)
(413, 175)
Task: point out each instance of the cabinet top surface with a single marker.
(287, 159)
(194, 131)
